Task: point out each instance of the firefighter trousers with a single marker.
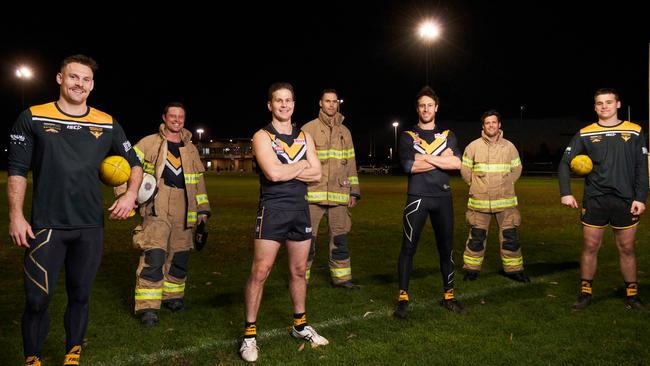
(508, 221)
(165, 242)
(339, 223)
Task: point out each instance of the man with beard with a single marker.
(491, 166)
(426, 153)
(337, 190)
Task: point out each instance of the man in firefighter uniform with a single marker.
(180, 203)
(337, 190)
(491, 166)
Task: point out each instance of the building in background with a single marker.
(227, 155)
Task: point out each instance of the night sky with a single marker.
(492, 54)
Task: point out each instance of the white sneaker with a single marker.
(248, 350)
(309, 334)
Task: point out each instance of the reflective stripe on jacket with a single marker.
(152, 151)
(491, 170)
(335, 151)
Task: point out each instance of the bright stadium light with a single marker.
(429, 31)
(24, 73)
(395, 125)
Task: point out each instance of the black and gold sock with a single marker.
(449, 294)
(585, 287)
(250, 331)
(72, 357)
(299, 321)
(631, 289)
(32, 361)
(403, 296)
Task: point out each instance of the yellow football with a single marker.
(581, 165)
(114, 171)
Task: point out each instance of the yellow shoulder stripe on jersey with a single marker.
(630, 126)
(594, 127)
(97, 116)
(49, 110)
(625, 126)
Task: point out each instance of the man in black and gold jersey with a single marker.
(287, 160)
(426, 153)
(63, 143)
(614, 195)
(181, 202)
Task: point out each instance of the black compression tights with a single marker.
(80, 250)
(441, 213)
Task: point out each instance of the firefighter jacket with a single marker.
(336, 153)
(152, 151)
(491, 170)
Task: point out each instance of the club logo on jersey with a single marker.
(96, 131)
(625, 136)
(595, 139)
(279, 150)
(51, 127)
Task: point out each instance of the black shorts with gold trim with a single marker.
(608, 209)
(282, 224)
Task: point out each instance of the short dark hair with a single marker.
(280, 85)
(80, 59)
(325, 91)
(426, 91)
(174, 104)
(602, 91)
(491, 112)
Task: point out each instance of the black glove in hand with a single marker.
(200, 236)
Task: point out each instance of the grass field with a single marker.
(507, 323)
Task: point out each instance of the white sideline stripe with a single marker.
(273, 333)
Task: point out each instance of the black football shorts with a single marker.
(608, 209)
(281, 224)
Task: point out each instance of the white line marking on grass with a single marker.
(139, 359)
